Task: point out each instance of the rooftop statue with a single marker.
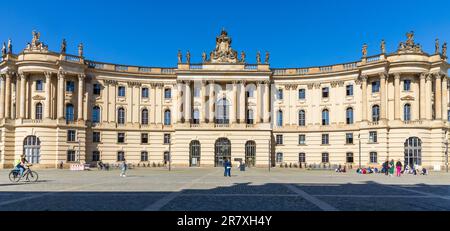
(204, 57)
(4, 50)
(63, 46)
(242, 57)
(258, 57)
(409, 46)
(223, 53)
(444, 50)
(188, 57)
(10, 51)
(36, 44)
(267, 57)
(364, 50)
(180, 57)
(436, 47)
(80, 49)
(383, 47)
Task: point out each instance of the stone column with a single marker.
(2, 97)
(364, 98)
(242, 102)
(212, 101)
(179, 111)
(80, 96)
(423, 114)
(23, 80)
(153, 102)
(203, 105)
(397, 96)
(105, 111)
(444, 99)
(233, 103)
(48, 78)
(266, 100)
(8, 95)
(61, 90)
(187, 104)
(256, 113)
(429, 92)
(383, 108)
(438, 96)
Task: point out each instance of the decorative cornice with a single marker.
(310, 86)
(423, 75)
(134, 84)
(81, 76)
(48, 74)
(110, 82)
(38, 97)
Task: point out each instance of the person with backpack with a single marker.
(123, 167)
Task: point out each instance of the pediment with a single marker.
(38, 97)
(407, 98)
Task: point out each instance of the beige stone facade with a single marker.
(56, 107)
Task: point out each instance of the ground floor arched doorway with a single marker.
(222, 151)
(250, 153)
(413, 151)
(194, 153)
(32, 149)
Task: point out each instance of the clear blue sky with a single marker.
(296, 33)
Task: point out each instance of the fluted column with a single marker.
(423, 114)
(2, 97)
(211, 102)
(429, 93)
(364, 97)
(397, 96)
(23, 80)
(438, 96)
(153, 102)
(241, 102)
(233, 103)
(444, 99)
(203, 99)
(61, 90)
(80, 96)
(48, 76)
(266, 100)
(8, 95)
(187, 104)
(257, 112)
(179, 101)
(383, 107)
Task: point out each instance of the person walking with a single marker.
(391, 167)
(228, 168)
(123, 167)
(399, 167)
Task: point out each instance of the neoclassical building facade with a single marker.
(60, 108)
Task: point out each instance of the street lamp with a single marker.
(79, 151)
(359, 141)
(170, 153)
(446, 156)
(269, 161)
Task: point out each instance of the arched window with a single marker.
(96, 114)
(38, 111)
(250, 153)
(349, 115)
(222, 110)
(69, 113)
(196, 117)
(167, 119)
(249, 116)
(32, 149)
(325, 117)
(121, 115)
(407, 112)
(301, 118)
(280, 118)
(144, 116)
(375, 113)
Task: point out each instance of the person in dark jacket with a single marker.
(227, 166)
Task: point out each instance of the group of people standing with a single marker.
(389, 167)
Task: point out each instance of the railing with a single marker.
(373, 59)
(249, 125)
(302, 71)
(196, 66)
(195, 125)
(32, 121)
(414, 122)
(349, 66)
(121, 68)
(95, 65)
(373, 123)
(326, 69)
(72, 58)
(279, 72)
(221, 125)
(251, 67)
(145, 69)
(168, 71)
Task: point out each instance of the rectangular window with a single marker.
(197, 92)
(166, 138)
(325, 139)
(325, 157)
(144, 93)
(301, 94)
(95, 156)
(144, 156)
(375, 86)
(349, 90)
(121, 92)
(407, 85)
(71, 135)
(279, 157)
(39, 85)
(279, 139)
(302, 158)
(70, 155)
(167, 93)
(70, 86)
(301, 139)
(349, 157)
(280, 94)
(373, 157)
(97, 89)
(120, 156)
(373, 137)
(349, 138)
(144, 138)
(96, 137)
(121, 137)
(325, 92)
